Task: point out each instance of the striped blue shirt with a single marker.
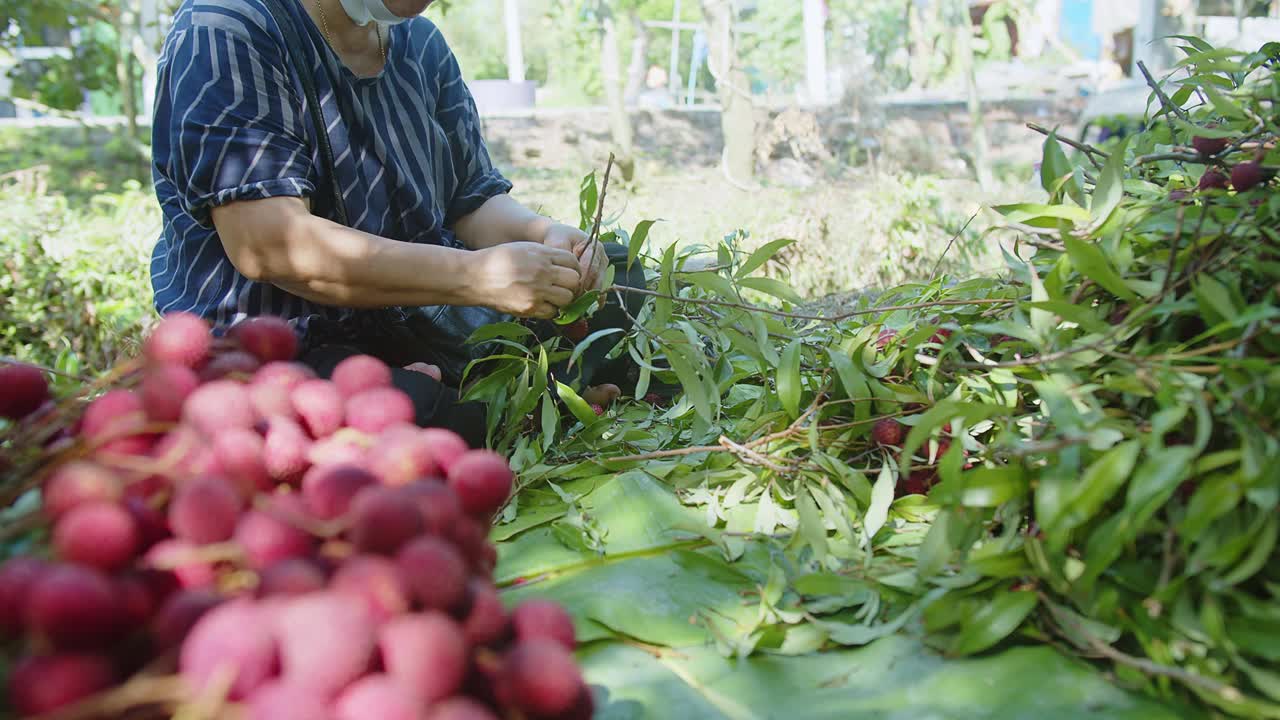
(231, 124)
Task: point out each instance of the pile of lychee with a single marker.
(291, 545)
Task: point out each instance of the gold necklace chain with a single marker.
(324, 23)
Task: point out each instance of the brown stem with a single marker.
(1164, 99)
(1088, 150)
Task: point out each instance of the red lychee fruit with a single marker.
(181, 338)
(234, 637)
(179, 614)
(576, 330)
(114, 423)
(372, 411)
(326, 641)
(541, 678)
(482, 479)
(377, 696)
(266, 539)
(446, 446)
(25, 390)
(486, 622)
(381, 521)
(219, 405)
(358, 373)
(918, 483)
(1212, 180)
(438, 503)
(460, 708)
(544, 619)
(234, 365)
(165, 388)
(74, 607)
(176, 556)
(435, 572)
(205, 510)
(885, 337)
(402, 455)
(426, 653)
(328, 491)
(240, 455)
(377, 582)
(1246, 176)
(1207, 146)
(44, 683)
(889, 433)
(294, 576)
(269, 338)
(285, 450)
(597, 409)
(78, 482)
(97, 534)
(17, 576)
(320, 405)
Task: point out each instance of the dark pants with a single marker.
(437, 404)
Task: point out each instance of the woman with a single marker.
(252, 216)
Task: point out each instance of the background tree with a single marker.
(737, 116)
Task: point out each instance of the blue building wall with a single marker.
(1077, 28)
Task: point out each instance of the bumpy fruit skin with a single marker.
(205, 510)
(460, 708)
(1212, 180)
(597, 409)
(181, 338)
(435, 572)
(234, 637)
(326, 641)
(482, 479)
(74, 608)
(377, 696)
(654, 399)
(1246, 176)
(165, 388)
(918, 483)
(17, 576)
(377, 582)
(281, 701)
(42, 684)
(1209, 146)
(576, 330)
(99, 534)
(889, 433)
(359, 373)
(540, 677)
(373, 411)
(25, 390)
(426, 654)
(269, 338)
(544, 619)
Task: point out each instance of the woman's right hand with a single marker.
(526, 279)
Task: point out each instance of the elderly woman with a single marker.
(322, 160)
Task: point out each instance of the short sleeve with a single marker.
(228, 123)
(476, 180)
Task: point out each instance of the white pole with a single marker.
(515, 49)
(815, 43)
(673, 80)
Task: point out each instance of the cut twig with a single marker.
(1164, 99)
(951, 242)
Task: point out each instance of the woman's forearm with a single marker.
(502, 219)
(279, 241)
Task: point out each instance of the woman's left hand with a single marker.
(591, 254)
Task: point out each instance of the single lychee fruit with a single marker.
(1246, 176)
(74, 607)
(343, 448)
(279, 700)
(114, 423)
(597, 409)
(327, 640)
(205, 510)
(239, 454)
(165, 388)
(918, 483)
(25, 390)
(401, 455)
(358, 373)
(267, 539)
(1207, 146)
(885, 337)
(181, 338)
(889, 433)
(435, 572)
(219, 405)
(235, 365)
(285, 374)
(460, 708)
(269, 338)
(98, 534)
(1212, 180)
(235, 638)
(79, 482)
(482, 479)
(285, 450)
(486, 622)
(17, 576)
(377, 582)
(43, 683)
(381, 521)
(329, 490)
(654, 399)
(576, 330)
(152, 525)
(426, 653)
(438, 503)
(541, 678)
(294, 576)
(372, 411)
(320, 405)
(544, 619)
(446, 446)
(377, 696)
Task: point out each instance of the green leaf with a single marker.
(695, 386)
(1110, 189)
(588, 197)
(770, 286)
(638, 237)
(1073, 313)
(812, 529)
(881, 499)
(550, 420)
(788, 379)
(579, 407)
(1100, 482)
(1090, 261)
(662, 306)
(508, 330)
(762, 255)
(1043, 215)
(994, 621)
(588, 340)
(1054, 166)
(579, 307)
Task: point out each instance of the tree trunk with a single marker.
(815, 50)
(611, 74)
(737, 116)
(639, 64)
(515, 48)
(965, 64)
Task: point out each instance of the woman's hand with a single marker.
(526, 279)
(592, 259)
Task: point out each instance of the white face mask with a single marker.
(362, 12)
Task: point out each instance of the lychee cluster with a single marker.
(297, 544)
(890, 434)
